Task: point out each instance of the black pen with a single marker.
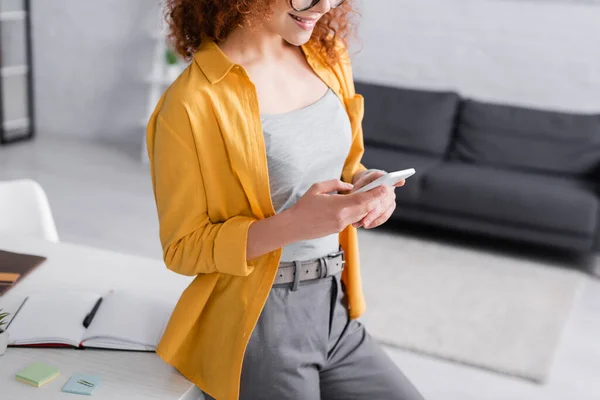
(15, 314)
(88, 318)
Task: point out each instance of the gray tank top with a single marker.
(306, 146)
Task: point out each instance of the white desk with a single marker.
(126, 375)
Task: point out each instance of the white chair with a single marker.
(24, 210)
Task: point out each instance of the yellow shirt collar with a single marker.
(212, 61)
(216, 65)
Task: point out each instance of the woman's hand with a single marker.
(384, 210)
(319, 213)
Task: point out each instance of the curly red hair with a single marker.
(191, 21)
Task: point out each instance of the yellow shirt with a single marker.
(210, 179)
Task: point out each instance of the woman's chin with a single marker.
(298, 38)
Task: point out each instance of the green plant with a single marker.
(171, 57)
(3, 315)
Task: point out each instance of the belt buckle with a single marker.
(334, 255)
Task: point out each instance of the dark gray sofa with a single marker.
(499, 170)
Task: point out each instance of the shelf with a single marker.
(156, 79)
(158, 35)
(16, 80)
(14, 71)
(12, 15)
(16, 124)
(164, 80)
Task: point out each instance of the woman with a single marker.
(251, 149)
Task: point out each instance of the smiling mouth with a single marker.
(304, 23)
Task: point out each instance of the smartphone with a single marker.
(389, 179)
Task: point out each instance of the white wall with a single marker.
(90, 60)
(91, 57)
(540, 53)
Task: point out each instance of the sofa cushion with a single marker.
(512, 197)
(394, 160)
(526, 138)
(408, 119)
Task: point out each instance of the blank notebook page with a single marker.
(52, 318)
(129, 322)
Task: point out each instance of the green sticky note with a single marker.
(38, 374)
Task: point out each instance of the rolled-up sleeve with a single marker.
(192, 243)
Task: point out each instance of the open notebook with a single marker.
(124, 321)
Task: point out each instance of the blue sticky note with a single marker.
(82, 384)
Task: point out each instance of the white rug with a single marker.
(468, 306)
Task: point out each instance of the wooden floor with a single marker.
(101, 196)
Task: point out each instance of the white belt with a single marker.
(319, 268)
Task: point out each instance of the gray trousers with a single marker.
(304, 347)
